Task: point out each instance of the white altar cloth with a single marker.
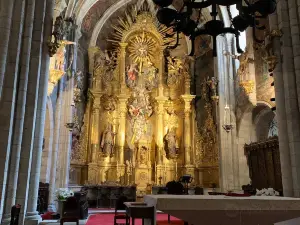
(223, 210)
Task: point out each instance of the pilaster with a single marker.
(95, 136)
(160, 129)
(123, 67)
(187, 128)
(122, 127)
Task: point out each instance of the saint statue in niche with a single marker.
(107, 142)
(171, 143)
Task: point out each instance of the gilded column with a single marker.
(123, 66)
(95, 130)
(121, 131)
(187, 128)
(160, 129)
(161, 69)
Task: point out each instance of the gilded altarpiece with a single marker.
(140, 113)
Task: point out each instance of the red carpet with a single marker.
(108, 219)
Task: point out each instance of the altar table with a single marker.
(223, 210)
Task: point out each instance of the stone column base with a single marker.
(6, 219)
(32, 218)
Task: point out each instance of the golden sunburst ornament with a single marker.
(142, 48)
(145, 20)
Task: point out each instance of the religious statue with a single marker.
(213, 86)
(244, 59)
(150, 74)
(132, 75)
(108, 102)
(140, 109)
(171, 143)
(107, 142)
(175, 69)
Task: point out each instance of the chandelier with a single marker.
(182, 22)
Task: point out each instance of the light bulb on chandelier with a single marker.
(181, 21)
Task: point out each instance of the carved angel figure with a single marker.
(171, 143)
(107, 142)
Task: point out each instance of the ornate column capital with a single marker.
(123, 45)
(187, 100)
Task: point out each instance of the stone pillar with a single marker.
(123, 67)
(290, 91)
(26, 104)
(160, 130)
(8, 108)
(65, 138)
(187, 128)
(232, 119)
(54, 163)
(122, 129)
(6, 15)
(95, 130)
(39, 62)
(281, 115)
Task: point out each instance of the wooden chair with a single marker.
(121, 215)
(71, 211)
(142, 213)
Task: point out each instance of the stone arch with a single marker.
(262, 118)
(48, 143)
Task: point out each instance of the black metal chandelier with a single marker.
(182, 21)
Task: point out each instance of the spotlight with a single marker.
(264, 7)
(166, 16)
(241, 23)
(163, 3)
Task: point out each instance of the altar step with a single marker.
(93, 211)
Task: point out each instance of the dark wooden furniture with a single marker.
(15, 212)
(264, 164)
(43, 198)
(121, 215)
(81, 197)
(106, 196)
(142, 211)
(71, 210)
